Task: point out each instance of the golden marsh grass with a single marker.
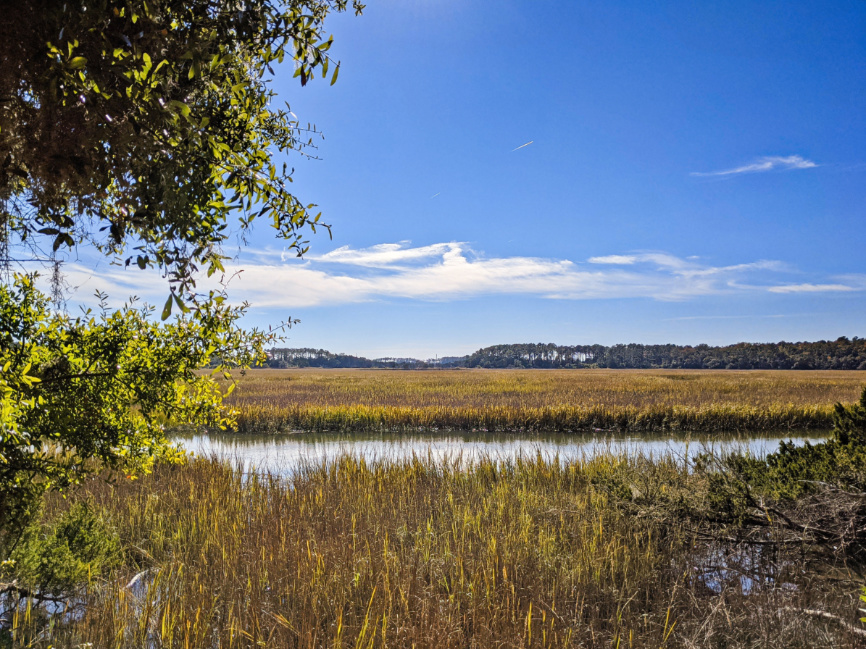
(536, 400)
(530, 553)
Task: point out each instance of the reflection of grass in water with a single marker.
(458, 439)
(521, 553)
(282, 453)
(546, 400)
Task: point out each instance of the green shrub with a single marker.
(794, 471)
(56, 558)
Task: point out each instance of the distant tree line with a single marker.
(307, 357)
(284, 357)
(839, 354)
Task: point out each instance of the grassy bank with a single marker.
(531, 553)
(533, 400)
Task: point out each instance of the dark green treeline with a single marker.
(839, 354)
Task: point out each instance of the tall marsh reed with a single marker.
(536, 400)
(526, 553)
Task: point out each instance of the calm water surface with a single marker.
(284, 453)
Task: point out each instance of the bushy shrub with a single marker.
(54, 559)
(794, 471)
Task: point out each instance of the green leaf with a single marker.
(166, 310)
(336, 72)
(180, 304)
(148, 64)
(180, 107)
(77, 63)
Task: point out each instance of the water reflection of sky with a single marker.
(282, 454)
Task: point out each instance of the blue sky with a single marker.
(696, 173)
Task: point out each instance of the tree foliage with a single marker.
(146, 127)
(80, 394)
(839, 354)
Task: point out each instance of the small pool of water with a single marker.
(282, 454)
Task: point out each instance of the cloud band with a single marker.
(453, 271)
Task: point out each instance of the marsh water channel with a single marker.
(285, 453)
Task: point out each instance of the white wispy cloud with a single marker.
(811, 288)
(453, 271)
(383, 254)
(686, 267)
(735, 317)
(767, 163)
(117, 282)
(618, 260)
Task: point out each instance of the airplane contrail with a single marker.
(522, 145)
(435, 195)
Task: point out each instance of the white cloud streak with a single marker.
(767, 163)
(383, 255)
(811, 288)
(453, 271)
(619, 260)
